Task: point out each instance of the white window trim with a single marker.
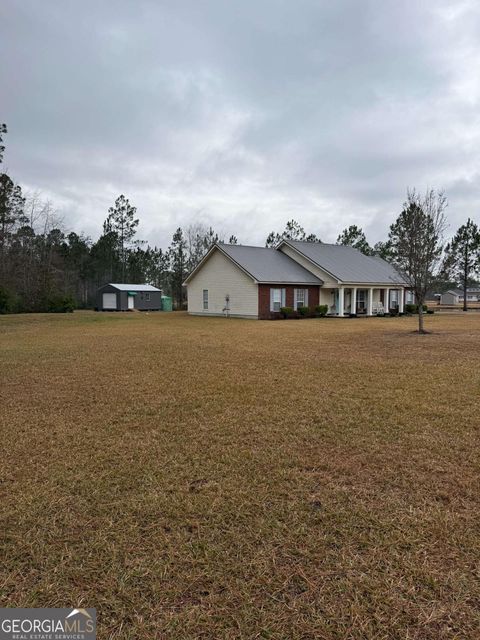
(205, 299)
(295, 298)
(282, 299)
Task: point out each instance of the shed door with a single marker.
(131, 302)
(109, 300)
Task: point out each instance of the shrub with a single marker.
(321, 310)
(430, 311)
(287, 312)
(413, 308)
(60, 304)
(303, 311)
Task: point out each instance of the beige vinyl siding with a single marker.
(220, 276)
(320, 273)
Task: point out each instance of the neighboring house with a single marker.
(126, 297)
(455, 296)
(256, 282)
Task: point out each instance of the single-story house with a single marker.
(455, 296)
(126, 297)
(256, 282)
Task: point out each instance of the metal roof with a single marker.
(268, 265)
(348, 264)
(134, 287)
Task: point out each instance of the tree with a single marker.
(178, 265)
(462, 257)
(121, 220)
(3, 129)
(12, 205)
(199, 238)
(416, 239)
(383, 250)
(293, 231)
(233, 240)
(354, 236)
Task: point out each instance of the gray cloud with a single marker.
(243, 114)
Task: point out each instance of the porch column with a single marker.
(401, 303)
(370, 302)
(386, 301)
(353, 300)
(341, 301)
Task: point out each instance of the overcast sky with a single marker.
(242, 114)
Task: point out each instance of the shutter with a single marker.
(306, 298)
(283, 297)
(271, 299)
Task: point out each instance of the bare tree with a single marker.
(416, 239)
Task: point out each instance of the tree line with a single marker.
(45, 268)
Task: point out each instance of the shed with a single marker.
(127, 297)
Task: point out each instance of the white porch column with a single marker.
(401, 303)
(386, 300)
(353, 300)
(370, 302)
(341, 301)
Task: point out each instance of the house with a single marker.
(127, 297)
(256, 282)
(455, 296)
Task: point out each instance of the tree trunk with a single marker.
(465, 281)
(420, 317)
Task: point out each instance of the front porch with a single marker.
(362, 301)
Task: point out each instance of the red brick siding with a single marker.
(264, 312)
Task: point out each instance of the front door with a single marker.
(131, 302)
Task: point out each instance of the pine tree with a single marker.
(462, 257)
(354, 236)
(121, 220)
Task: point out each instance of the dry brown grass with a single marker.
(210, 478)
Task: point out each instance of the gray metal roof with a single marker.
(134, 287)
(269, 265)
(348, 264)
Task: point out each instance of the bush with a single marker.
(321, 310)
(413, 308)
(287, 312)
(60, 304)
(430, 311)
(303, 311)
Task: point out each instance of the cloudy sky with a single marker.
(242, 114)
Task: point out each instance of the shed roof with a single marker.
(348, 264)
(133, 287)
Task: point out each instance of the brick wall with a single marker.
(264, 312)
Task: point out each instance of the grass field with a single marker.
(219, 479)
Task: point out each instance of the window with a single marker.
(277, 299)
(205, 299)
(409, 297)
(147, 297)
(394, 299)
(300, 298)
(361, 299)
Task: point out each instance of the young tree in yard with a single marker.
(416, 239)
(178, 265)
(354, 236)
(462, 257)
(121, 220)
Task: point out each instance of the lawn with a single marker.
(219, 479)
